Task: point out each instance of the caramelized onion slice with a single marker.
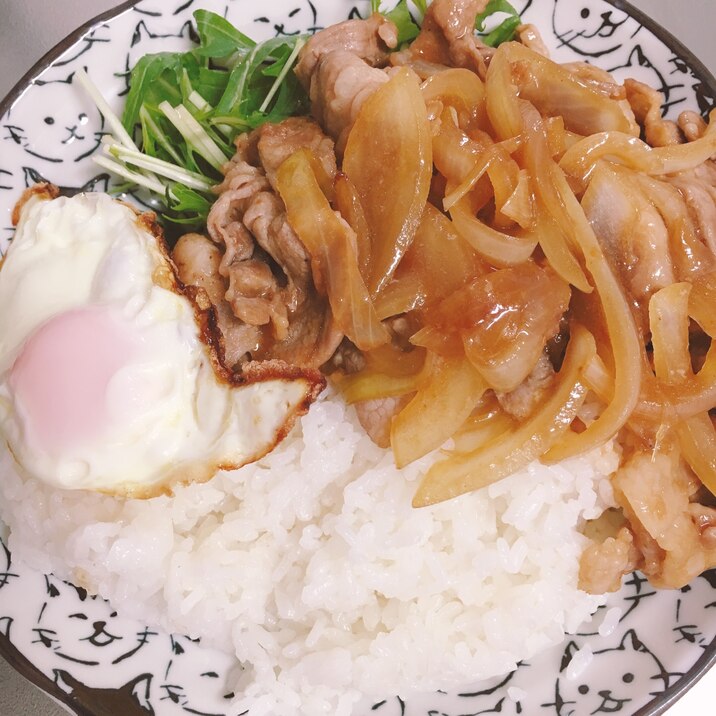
(499, 248)
(350, 208)
(557, 91)
(580, 159)
(388, 159)
(459, 88)
(669, 322)
(438, 262)
(461, 473)
(448, 393)
(454, 152)
(331, 244)
(368, 385)
(625, 340)
(502, 99)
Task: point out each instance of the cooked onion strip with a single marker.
(454, 153)
(481, 430)
(502, 99)
(448, 394)
(388, 158)
(626, 344)
(461, 473)
(499, 248)
(580, 159)
(331, 244)
(669, 322)
(557, 251)
(697, 440)
(371, 386)
(459, 88)
(495, 157)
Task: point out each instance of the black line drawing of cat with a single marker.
(99, 182)
(577, 26)
(390, 707)
(488, 697)
(205, 675)
(656, 79)
(91, 633)
(629, 668)
(113, 700)
(5, 566)
(61, 131)
(86, 44)
(158, 8)
(143, 38)
(4, 173)
(301, 19)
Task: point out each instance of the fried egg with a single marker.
(110, 375)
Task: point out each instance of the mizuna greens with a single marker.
(184, 109)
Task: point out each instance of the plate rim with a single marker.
(663, 701)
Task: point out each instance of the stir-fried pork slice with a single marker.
(646, 103)
(338, 69)
(341, 84)
(692, 124)
(700, 198)
(631, 231)
(197, 260)
(266, 219)
(376, 417)
(530, 37)
(277, 142)
(370, 40)
(448, 36)
(523, 400)
(603, 565)
(255, 296)
(264, 266)
(654, 490)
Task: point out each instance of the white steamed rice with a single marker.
(313, 569)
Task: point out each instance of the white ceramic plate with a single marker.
(83, 653)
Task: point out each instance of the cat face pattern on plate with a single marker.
(640, 644)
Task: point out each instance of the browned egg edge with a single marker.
(166, 277)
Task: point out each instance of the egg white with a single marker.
(172, 413)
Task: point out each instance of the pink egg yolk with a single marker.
(60, 378)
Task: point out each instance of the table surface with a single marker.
(30, 28)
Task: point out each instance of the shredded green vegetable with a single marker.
(186, 108)
(503, 32)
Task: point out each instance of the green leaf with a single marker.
(188, 200)
(219, 38)
(250, 80)
(503, 32)
(374, 6)
(142, 78)
(494, 6)
(408, 30)
(422, 5)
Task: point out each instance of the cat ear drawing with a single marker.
(138, 690)
(100, 182)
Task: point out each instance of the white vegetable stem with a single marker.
(158, 166)
(194, 134)
(113, 120)
(143, 180)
